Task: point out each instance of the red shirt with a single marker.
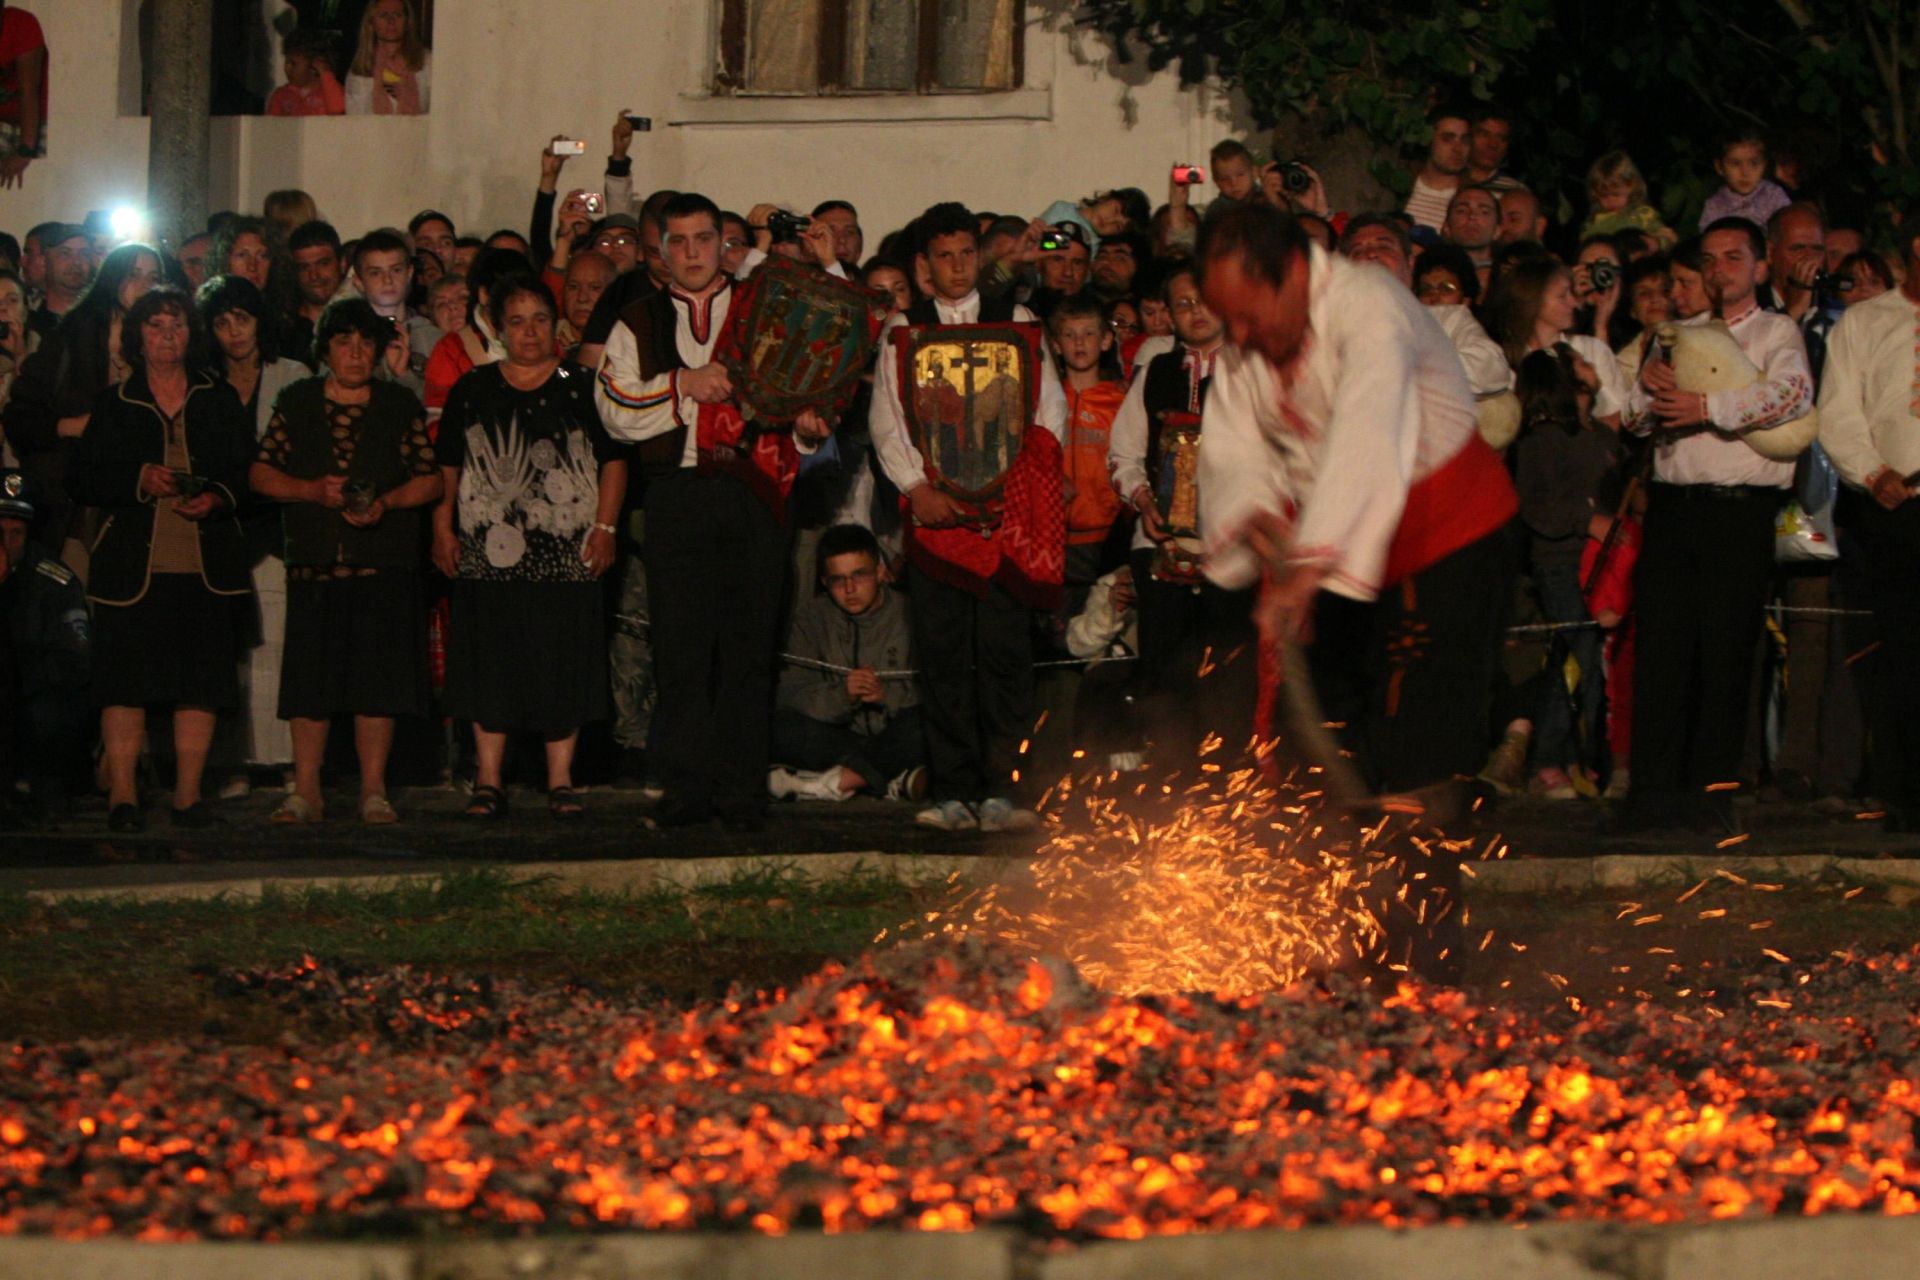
(325, 98)
(19, 36)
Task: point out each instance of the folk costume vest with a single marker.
(1170, 388)
(654, 321)
(1025, 550)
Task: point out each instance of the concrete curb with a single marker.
(1511, 875)
(1832, 1247)
(1678, 870)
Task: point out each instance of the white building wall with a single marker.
(508, 74)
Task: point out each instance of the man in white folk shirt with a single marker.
(972, 643)
(1186, 627)
(1700, 586)
(716, 554)
(1340, 461)
(1870, 428)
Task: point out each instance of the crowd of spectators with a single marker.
(442, 487)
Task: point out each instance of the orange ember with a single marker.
(1228, 885)
(941, 1086)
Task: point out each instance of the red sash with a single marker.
(1025, 551)
(1467, 498)
(767, 463)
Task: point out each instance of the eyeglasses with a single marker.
(835, 581)
(1438, 289)
(1186, 305)
(1124, 326)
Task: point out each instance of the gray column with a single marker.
(179, 144)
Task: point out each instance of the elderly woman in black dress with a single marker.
(525, 527)
(241, 345)
(164, 457)
(349, 456)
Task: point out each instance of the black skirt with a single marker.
(527, 656)
(355, 646)
(176, 646)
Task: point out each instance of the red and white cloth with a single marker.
(1368, 441)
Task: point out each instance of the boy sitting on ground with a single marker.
(847, 715)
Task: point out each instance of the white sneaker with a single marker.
(909, 785)
(948, 815)
(803, 784)
(1000, 815)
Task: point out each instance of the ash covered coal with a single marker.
(944, 1086)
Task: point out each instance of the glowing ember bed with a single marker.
(945, 1086)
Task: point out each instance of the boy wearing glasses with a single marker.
(847, 714)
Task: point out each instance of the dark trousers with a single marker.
(1560, 741)
(1889, 565)
(1699, 590)
(1411, 674)
(1199, 654)
(976, 684)
(801, 742)
(716, 563)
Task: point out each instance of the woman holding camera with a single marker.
(1531, 308)
(164, 457)
(349, 455)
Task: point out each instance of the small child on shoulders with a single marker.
(311, 89)
(1618, 197)
(1748, 192)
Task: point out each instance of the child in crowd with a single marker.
(1233, 173)
(1618, 197)
(854, 727)
(1083, 344)
(311, 89)
(1748, 192)
(1560, 461)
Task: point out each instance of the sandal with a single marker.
(564, 802)
(487, 803)
(294, 810)
(377, 811)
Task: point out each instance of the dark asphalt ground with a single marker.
(434, 834)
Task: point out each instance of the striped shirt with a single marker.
(1427, 206)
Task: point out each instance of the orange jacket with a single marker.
(1094, 505)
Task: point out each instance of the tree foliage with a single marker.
(1832, 81)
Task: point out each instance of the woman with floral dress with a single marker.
(525, 529)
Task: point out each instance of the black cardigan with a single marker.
(125, 433)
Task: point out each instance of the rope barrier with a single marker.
(1528, 628)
